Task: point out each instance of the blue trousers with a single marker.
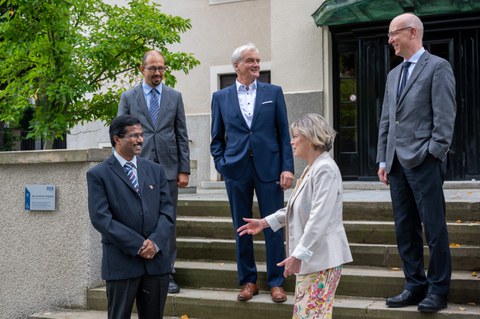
(270, 199)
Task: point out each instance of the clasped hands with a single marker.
(254, 226)
(148, 249)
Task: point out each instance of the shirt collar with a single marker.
(241, 87)
(147, 88)
(416, 56)
(122, 161)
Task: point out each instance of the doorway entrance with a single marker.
(362, 60)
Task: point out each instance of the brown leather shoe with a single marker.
(278, 294)
(247, 292)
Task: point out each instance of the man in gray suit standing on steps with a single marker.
(415, 133)
(162, 115)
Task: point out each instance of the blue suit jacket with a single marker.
(268, 138)
(125, 219)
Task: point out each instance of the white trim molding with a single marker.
(214, 2)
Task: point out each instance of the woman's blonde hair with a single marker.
(316, 130)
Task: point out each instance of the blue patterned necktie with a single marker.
(404, 78)
(128, 167)
(154, 106)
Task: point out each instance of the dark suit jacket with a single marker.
(167, 139)
(125, 219)
(268, 139)
(422, 121)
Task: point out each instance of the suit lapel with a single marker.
(164, 102)
(420, 65)
(233, 97)
(120, 172)
(140, 98)
(142, 173)
(258, 100)
(306, 175)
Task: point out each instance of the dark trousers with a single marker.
(172, 241)
(270, 199)
(417, 198)
(150, 293)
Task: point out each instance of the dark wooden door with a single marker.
(362, 60)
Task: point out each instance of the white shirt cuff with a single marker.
(302, 253)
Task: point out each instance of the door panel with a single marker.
(365, 50)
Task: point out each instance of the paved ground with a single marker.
(468, 191)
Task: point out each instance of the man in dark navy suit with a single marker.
(251, 149)
(129, 204)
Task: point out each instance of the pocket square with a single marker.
(267, 102)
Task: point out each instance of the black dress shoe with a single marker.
(173, 288)
(432, 303)
(406, 298)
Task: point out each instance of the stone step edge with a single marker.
(363, 305)
(209, 240)
(363, 185)
(348, 270)
(78, 314)
(223, 219)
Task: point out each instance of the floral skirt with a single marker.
(314, 294)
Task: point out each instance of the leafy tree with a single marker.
(69, 59)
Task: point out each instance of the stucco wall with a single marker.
(292, 47)
(48, 258)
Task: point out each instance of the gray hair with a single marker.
(237, 53)
(316, 130)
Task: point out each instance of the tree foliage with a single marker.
(71, 59)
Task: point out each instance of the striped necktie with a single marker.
(128, 167)
(154, 106)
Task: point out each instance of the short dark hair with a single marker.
(119, 125)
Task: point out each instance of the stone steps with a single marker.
(206, 268)
(379, 210)
(372, 232)
(222, 304)
(376, 255)
(356, 281)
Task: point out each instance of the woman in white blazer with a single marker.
(317, 245)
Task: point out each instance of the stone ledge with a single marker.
(54, 156)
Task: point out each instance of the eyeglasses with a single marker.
(395, 32)
(134, 136)
(155, 68)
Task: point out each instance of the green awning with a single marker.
(339, 12)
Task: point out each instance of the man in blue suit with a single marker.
(129, 204)
(251, 149)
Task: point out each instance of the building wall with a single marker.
(292, 47)
(49, 258)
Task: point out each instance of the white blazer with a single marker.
(313, 218)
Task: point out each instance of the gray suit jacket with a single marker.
(125, 218)
(166, 140)
(422, 121)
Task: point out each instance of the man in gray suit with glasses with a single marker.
(162, 115)
(415, 133)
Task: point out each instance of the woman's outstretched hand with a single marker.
(253, 226)
(292, 266)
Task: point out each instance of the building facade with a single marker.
(330, 57)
